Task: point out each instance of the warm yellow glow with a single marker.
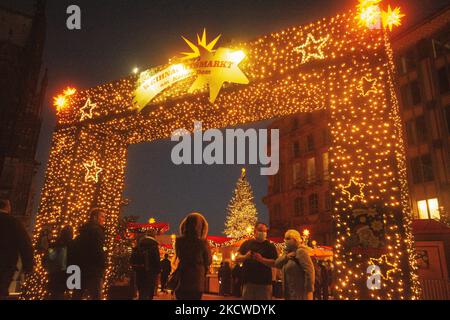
(349, 72)
(151, 220)
(391, 17)
(306, 233)
(249, 230)
(61, 100)
(369, 13)
(429, 209)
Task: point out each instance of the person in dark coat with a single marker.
(145, 262)
(56, 264)
(89, 255)
(14, 242)
(194, 257)
(237, 280)
(166, 269)
(225, 279)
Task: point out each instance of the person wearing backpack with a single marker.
(56, 262)
(297, 268)
(145, 262)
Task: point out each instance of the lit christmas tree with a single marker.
(241, 211)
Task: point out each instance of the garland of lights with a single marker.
(336, 63)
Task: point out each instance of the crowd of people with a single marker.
(184, 275)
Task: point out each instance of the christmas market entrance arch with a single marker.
(333, 63)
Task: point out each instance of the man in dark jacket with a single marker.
(146, 264)
(89, 255)
(14, 242)
(166, 268)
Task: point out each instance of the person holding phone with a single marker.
(258, 257)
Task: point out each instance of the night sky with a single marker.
(118, 35)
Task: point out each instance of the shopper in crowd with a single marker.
(145, 262)
(297, 268)
(224, 279)
(89, 255)
(166, 269)
(56, 263)
(193, 258)
(258, 256)
(14, 243)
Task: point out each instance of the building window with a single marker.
(297, 171)
(313, 203)
(296, 149)
(298, 207)
(294, 124)
(325, 163)
(417, 130)
(311, 170)
(276, 183)
(415, 92)
(310, 142)
(327, 201)
(276, 209)
(422, 169)
(444, 82)
(447, 117)
(429, 209)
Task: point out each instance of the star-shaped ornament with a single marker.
(386, 267)
(367, 86)
(86, 110)
(92, 171)
(214, 67)
(354, 190)
(312, 48)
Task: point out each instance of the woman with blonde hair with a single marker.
(193, 257)
(297, 268)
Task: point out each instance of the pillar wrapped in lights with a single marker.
(336, 63)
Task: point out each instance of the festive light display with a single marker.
(299, 69)
(241, 211)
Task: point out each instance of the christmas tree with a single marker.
(241, 211)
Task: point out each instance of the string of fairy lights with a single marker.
(343, 63)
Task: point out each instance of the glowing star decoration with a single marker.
(354, 190)
(369, 13)
(214, 67)
(391, 17)
(86, 110)
(312, 48)
(61, 100)
(386, 267)
(92, 171)
(367, 86)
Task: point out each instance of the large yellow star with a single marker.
(92, 171)
(312, 48)
(214, 67)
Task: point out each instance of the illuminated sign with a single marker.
(208, 66)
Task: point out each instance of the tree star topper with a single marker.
(312, 48)
(92, 171)
(86, 110)
(213, 67)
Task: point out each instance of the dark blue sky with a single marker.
(118, 35)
